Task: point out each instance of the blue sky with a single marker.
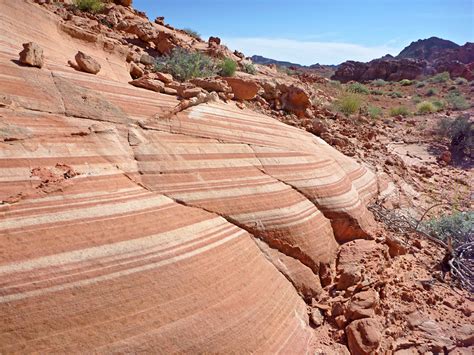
(324, 31)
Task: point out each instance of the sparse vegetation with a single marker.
(431, 92)
(184, 65)
(457, 101)
(379, 83)
(457, 226)
(416, 99)
(335, 84)
(192, 33)
(438, 104)
(399, 111)
(249, 68)
(376, 92)
(228, 67)
(374, 112)
(358, 88)
(406, 82)
(425, 107)
(461, 133)
(461, 81)
(93, 6)
(420, 84)
(348, 104)
(396, 94)
(440, 78)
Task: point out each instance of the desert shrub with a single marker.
(438, 104)
(348, 104)
(93, 6)
(395, 94)
(249, 68)
(425, 107)
(420, 84)
(461, 81)
(192, 33)
(416, 99)
(379, 82)
(406, 82)
(431, 92)
(184, 65)
(358, 88)
(335, 84)
(457, 101)
(440, 78)
(374, 112)
(376, 92)
(285, 70)
(227, 67)
(461, 133)
(458, 226)
(399, 111)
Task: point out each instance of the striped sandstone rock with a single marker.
(125, 228)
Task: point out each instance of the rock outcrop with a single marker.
(129, 217)
(421, 58)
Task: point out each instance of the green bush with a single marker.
(431, 92)
(192, 33)
(396, 94)
(438, 104)
(228, 67)
(457, 101)
(416, 99)
(358, 88)
(440, 78)
(249, 68)
(420, 84)
(93, 6)
(348, 104)
(457, 226)
(461, 81)
(406, 82)
(374, 112)
(184, 65)
(379, 82)
(399, 111)
(425, 107)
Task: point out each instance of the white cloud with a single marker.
(308, 52)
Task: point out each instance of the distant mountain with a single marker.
(258, 59)
(421, 58)
(427, 49)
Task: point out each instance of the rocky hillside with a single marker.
(420, 59)
(427, 49)
(142, 213)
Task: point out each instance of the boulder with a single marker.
(243, 89)
(212, 84)
(349, 276)
(164, 77)
(363, 305)
(363, 336)
(135, 71)
(147, 59)
(86, 63)
(148, 83)
(214, 41)
(123, 2)
(294, 99)
(191, 92)
(32, 55)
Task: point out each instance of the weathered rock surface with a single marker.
(32, 55)
(127, 223)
